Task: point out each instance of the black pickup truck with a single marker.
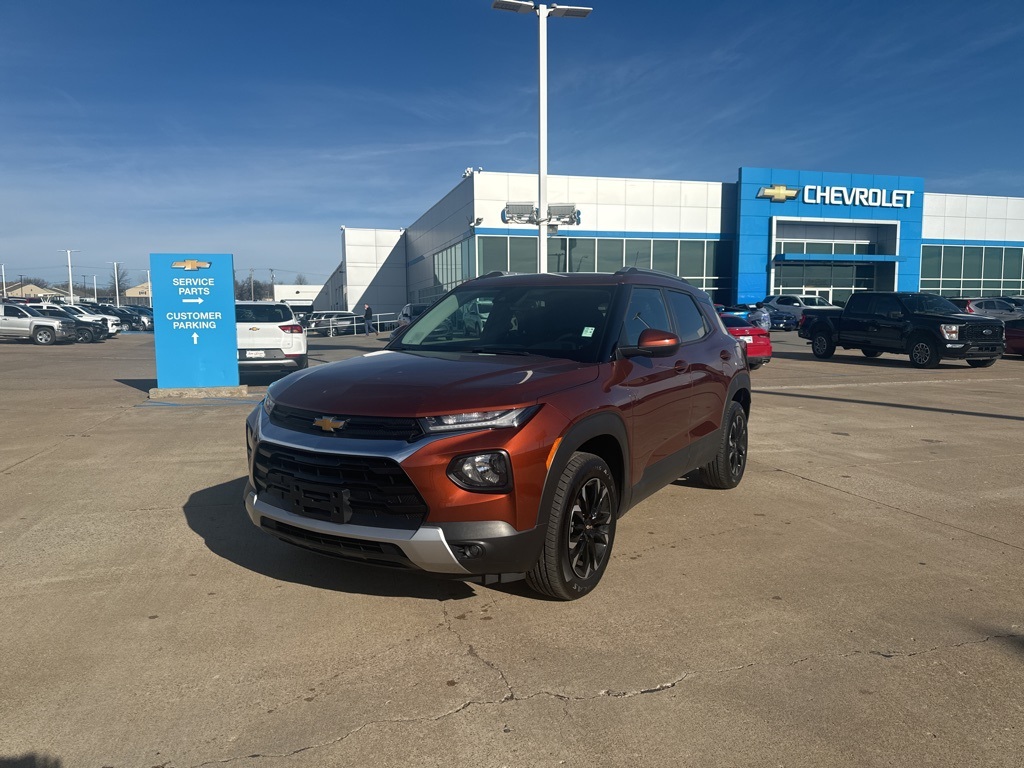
(925, 326)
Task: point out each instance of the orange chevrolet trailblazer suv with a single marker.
(511, 450)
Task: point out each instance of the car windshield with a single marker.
(553, 321)
(927, 302)
(816, 301)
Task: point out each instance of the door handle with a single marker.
(680, 366)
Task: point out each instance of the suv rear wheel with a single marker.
(581, 529)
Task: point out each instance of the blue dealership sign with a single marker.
(194, 320)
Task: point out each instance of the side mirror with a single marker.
(655, 343)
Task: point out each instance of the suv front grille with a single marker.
(362, 490)
(977, 332)
(358, 427)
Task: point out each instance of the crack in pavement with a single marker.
(607, 693)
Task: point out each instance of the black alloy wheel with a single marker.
(924, 352)
(727, 469)
(581, 530)
(85, 335)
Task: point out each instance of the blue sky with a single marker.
(260, 128)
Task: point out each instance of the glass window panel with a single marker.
(582, 255)
(1013, 261)
(929, 285)
(691, 258)
(556, 254)
(843, 275)
(993, 269)
(952, 261)
(867, 249)
(931, 260)
(972, 285)
(664, 256)
(646, 310)
(715, 257)
(609, 255)
(493, 254)
(778, 247)
(819, 248)
(522, 254)
(638, 253)
(791, 247)
(817, 275)
(690, 324)
(843, 248)
(972, 262)
(722, 250)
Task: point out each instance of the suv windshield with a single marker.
(926, 302)
(554, 321)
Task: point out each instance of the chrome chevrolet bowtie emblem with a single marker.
(778, 193)
(190, 265)
(328, 424)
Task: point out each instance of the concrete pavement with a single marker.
(855, 602)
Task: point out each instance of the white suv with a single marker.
(269, 336)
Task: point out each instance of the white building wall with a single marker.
(448, 222)
(372, 270)
(973, 217)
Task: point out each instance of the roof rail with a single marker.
(654, 272)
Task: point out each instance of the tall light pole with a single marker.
(117, 288)
(3, 276)
(95, 292)
(542, 11)
(71, 285)
(149, 288)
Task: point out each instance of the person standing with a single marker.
(368, 319)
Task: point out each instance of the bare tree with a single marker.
(124, 281)
(300, 279)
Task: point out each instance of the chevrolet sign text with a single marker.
(872, 198)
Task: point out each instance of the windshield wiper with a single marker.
(499, 351)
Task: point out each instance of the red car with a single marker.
(759, 343)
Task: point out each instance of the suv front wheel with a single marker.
(581, 530)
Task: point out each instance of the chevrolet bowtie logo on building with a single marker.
(190, 265)
(328, 424)
(778, 193)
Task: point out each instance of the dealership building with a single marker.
(770, 231)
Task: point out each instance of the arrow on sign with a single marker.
(195, 338)
(192, 301)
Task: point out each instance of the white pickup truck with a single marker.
(21, 322)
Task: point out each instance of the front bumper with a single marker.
(307, 513)
(959, 350)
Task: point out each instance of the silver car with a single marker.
(795, 303)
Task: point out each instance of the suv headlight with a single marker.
(512, 417)
(268, 404)
(488, 472)
(950, 332)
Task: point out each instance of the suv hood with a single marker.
(422, 384)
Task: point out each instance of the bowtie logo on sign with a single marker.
(862, 196)
(190, 265)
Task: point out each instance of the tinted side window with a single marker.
(690, 324)
(646, 310)
(886, 305)
(857, 304)
(786, 301)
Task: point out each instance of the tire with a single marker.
(822, 345)
(332, 331)
(924, 353)
(726, 470)
(85, 336)
(43, 336)
(581, 530)
(871, 352)
(988, 361)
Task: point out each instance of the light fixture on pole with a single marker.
(542, 11)
(71, 285)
